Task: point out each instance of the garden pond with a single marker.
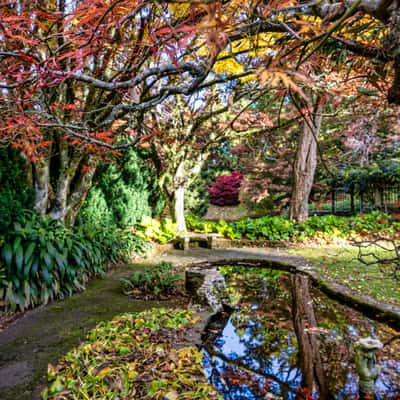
(283, 339)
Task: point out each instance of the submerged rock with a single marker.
(207, 288)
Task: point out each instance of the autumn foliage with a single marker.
(225, 191)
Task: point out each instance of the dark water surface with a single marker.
(284, 340)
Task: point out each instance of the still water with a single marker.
(285, 340)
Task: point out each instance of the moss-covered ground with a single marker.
(340, 264)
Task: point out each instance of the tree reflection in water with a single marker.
(285, 341)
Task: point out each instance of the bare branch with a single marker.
(383, 252)
(157, 72)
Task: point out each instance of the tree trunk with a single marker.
(69, 164)
(305, 165)
(41, 186)
(81, 188)
(71, 181)
(179, 198)
(309, 351)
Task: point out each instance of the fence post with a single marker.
(333, 201)
(384, 203)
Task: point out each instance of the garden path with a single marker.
(45, 334)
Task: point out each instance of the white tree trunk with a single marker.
(180, 209)
(179, 198)
(71, 185)
(81, 188)
(69, 165)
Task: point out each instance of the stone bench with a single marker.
(184, 240)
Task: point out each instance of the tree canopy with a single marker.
(78, 78)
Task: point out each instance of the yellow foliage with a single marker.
(228, 66)
(179, 10)
(248, 78)
(251, 45)
(365, 30)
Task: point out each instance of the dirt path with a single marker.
(45, 334)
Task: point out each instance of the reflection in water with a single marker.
(283, 341)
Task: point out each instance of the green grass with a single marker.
(340, 264)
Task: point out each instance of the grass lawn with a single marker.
(339, 263)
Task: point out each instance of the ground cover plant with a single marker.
(324, 229)
(133, 356)
(42, 260)
(340, 263)
(158, 231)
(152, 282)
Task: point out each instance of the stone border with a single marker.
(223, 243)
(387, 313)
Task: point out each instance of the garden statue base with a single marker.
(366, 366)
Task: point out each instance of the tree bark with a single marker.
(305, 165)
(60, 192)
(41, 186)
(69, 163)
(81, 188)
(309, 351)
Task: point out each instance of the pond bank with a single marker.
(281, 259)
(45, 334)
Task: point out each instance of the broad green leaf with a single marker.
(51, 249)
(35, 266)
(27, 267)
(17, 243)
(19, 258)
(7, 254)
(29, 251)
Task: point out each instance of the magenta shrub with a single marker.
(225, 191)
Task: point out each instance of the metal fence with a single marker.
(385, 198)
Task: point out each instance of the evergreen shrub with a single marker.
(196, 198)
(16, 196)
(123, 192)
